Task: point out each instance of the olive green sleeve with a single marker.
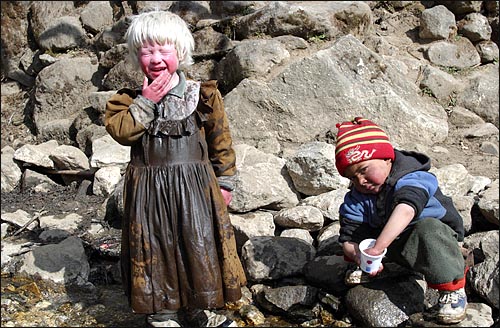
(128, 116)
(218, 136)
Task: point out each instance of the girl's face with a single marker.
(369, 176)
(155, 58)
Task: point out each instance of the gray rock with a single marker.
(459, 54)
(272, 258)
(488, 203)
(253, 224)
(485, 281)
(312, 169)
(11, 171)
(262, 181)
(386, 302)
(65, 262)
(303, 216)
(437, 23)
(475, 27)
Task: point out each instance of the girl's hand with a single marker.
(160, 86)
(226, 194)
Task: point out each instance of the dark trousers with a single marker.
(430, 247)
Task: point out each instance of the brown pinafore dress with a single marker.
(178, 245)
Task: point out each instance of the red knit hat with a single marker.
(360, 140)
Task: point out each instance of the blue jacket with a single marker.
(409, 182)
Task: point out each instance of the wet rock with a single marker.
(387, 302)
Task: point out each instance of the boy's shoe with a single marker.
(355, 277)
(452, 306)
(163, 320)
(207, 318)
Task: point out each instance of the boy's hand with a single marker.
(351, 251)
(380, 269)
(373, 251)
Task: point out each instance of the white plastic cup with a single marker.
(370, 263)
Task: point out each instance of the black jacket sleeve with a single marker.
(412, 196)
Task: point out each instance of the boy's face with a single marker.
(155, 58)
(369, 176)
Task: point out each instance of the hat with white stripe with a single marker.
(360, 140)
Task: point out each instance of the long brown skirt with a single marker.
(178, 245)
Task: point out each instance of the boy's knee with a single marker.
(429, 225)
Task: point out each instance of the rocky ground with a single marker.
(105, 305)
(456, 149)
(40, 303)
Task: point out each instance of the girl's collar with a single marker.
(180, 88)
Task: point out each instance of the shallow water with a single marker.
(31, 303)
(28, 302)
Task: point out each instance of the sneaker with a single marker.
(356, 276)
(207, 318)
(163, 320)
(452, 306)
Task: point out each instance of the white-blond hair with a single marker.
(160, 27)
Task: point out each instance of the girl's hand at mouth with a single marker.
(160, 86)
